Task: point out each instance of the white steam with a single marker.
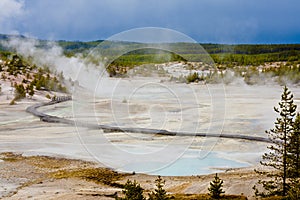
(52, 56)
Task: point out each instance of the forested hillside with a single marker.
(238, 54)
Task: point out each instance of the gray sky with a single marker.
(216, 21)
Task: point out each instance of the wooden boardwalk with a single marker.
(106, 128)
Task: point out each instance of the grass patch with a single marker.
(48, 162)
(11, 157)
(97, 175)
(37, 161)
(61, 168)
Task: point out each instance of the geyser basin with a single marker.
(186, 166)
(248, 112)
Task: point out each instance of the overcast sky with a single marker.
(216, 21)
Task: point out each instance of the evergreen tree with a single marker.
(20, 91)
(294, 149)
(132, 191)
(38, 84)
(294, 160)
(159, 193)
(31, 90)
(215, 188)
(277, 157)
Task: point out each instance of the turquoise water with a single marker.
(186, 166)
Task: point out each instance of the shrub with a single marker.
(48, 96)
(193, 77)
(12, 102)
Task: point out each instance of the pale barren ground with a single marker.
(248, 111)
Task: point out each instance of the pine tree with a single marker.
(132, 191)
(20, 91)
(159, 193)
(277, 157)
(30, 90)
(294, 149)
(215, 188)
(294, 160)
